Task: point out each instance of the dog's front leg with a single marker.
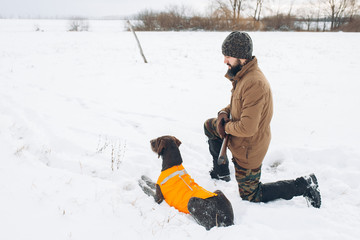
(158, 195)
(147, 186)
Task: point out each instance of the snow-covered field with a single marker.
(78, 109)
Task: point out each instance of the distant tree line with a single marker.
(255, 15)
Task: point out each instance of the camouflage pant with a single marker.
(210, 129)
(249, 183)
(248, 179)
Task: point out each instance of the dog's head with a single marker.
(159, 144)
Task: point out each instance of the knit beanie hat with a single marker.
(238, 45)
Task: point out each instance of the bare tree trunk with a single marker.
(233, 4)
(291, 6)
(258, 10)
(337, 12)
(332, 15)
(239, 9)
(236, 8)
(137, 40)
(318, 18)
(354, 8)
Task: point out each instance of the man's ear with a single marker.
(161, 146)
(177, 141)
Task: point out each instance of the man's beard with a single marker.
(233, 70)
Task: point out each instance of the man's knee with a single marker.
(248, 183)
(250, 195)
(210, 128)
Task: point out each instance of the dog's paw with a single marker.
(145, 188)
(148, 182)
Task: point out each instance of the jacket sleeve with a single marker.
(253, 99)
(226, 109)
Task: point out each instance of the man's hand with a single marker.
(221, 120)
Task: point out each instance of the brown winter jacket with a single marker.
(251, 109)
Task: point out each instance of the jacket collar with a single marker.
(243, 71)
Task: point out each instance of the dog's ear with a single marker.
(177, 141)
(160, 146)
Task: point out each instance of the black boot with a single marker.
(312, 192)
(283, 189)
(302, 186)
(221, 171)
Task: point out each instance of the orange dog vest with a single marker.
(178, 187)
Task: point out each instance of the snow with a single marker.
(78, 109)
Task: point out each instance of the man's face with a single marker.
(234, 64)
(231, 61)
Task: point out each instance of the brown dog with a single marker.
(179, 190)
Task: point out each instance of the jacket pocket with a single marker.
(241, 149)
(241, 153)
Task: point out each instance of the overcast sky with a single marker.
(102, 8)
(95, 8)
